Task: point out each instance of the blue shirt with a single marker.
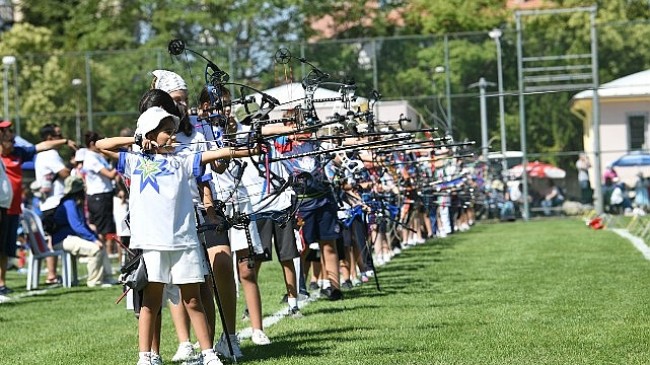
(70, 221)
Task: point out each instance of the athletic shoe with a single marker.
(184, 352)
(347, 284)
(294, 312)
(260, 338)
(331, 294)
(156, 359)
(222, 346)
(397, 251)
(146, 360)
(313, 286)
(4, 290)
(364, 278)
(211, 359)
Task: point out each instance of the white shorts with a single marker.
(175, 267)
(237, 237)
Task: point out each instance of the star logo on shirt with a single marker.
(149, 169)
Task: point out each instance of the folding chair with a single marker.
(39, 250)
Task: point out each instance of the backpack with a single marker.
(49, 225)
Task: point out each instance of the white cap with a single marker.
(150, 119)
(168, 81)
(80, 154)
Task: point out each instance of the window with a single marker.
(636, 126)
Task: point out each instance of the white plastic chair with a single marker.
(39, 250)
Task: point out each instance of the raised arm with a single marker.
(55, 143)
(226, 153)
(109, 146)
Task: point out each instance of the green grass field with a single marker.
(544, 292)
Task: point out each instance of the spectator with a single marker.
(552, 198)
(72, 233)
(49, 168)
(99, 189)
(13, 157)
(610, 173)
(583, 165)
(641, 199)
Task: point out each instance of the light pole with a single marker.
(75, 84)
(482, 84)
(7, 62)
(496, 34)
(447, 114)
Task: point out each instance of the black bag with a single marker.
(47, 218)
(134, 273)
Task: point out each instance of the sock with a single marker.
(293, 302)
(145, 355)
(326, 284)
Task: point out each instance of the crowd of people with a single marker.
(201, 209)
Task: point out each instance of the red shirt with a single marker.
(13, 163)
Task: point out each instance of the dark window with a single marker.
(636, 129)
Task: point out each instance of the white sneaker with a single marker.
(146, 360)
(156, 359)
(185, 352)
(397, 251)
(260, 338)
(222, 347)
(211, 359)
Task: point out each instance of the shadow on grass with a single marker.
(306, 343)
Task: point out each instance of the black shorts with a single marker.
(213, 237)
(283, 237)
(8, 233)
(100, 209)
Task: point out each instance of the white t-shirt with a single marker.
(96, 183)
(190, 145)
(262, 193)
(162, 214)
(46, 166)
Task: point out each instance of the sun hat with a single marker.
(5, 124)
(151, 118)
(167, 81)
(72, 185)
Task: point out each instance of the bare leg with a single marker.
(3, 269)
(331, 260)
(181, 321)
(251, 289)
(191, 295)
(221, 259)
(151, 302)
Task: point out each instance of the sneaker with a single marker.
(156, 359)
(246, 315)
(397, 251)
(211, 359)
(260, 338)
(313, 286)
(331, 294)
(364, 278)
(294, 313)
(356, 282)
(222, 347)
(4, 290)
(185, 352)
(146, 360)
(347, 284)
(303, 295)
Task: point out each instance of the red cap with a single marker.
(5, 124)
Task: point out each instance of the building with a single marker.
(624, 111)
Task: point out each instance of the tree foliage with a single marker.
(113, 46)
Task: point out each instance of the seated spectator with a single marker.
(619, 201)
(553, 198)
(71, 232)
